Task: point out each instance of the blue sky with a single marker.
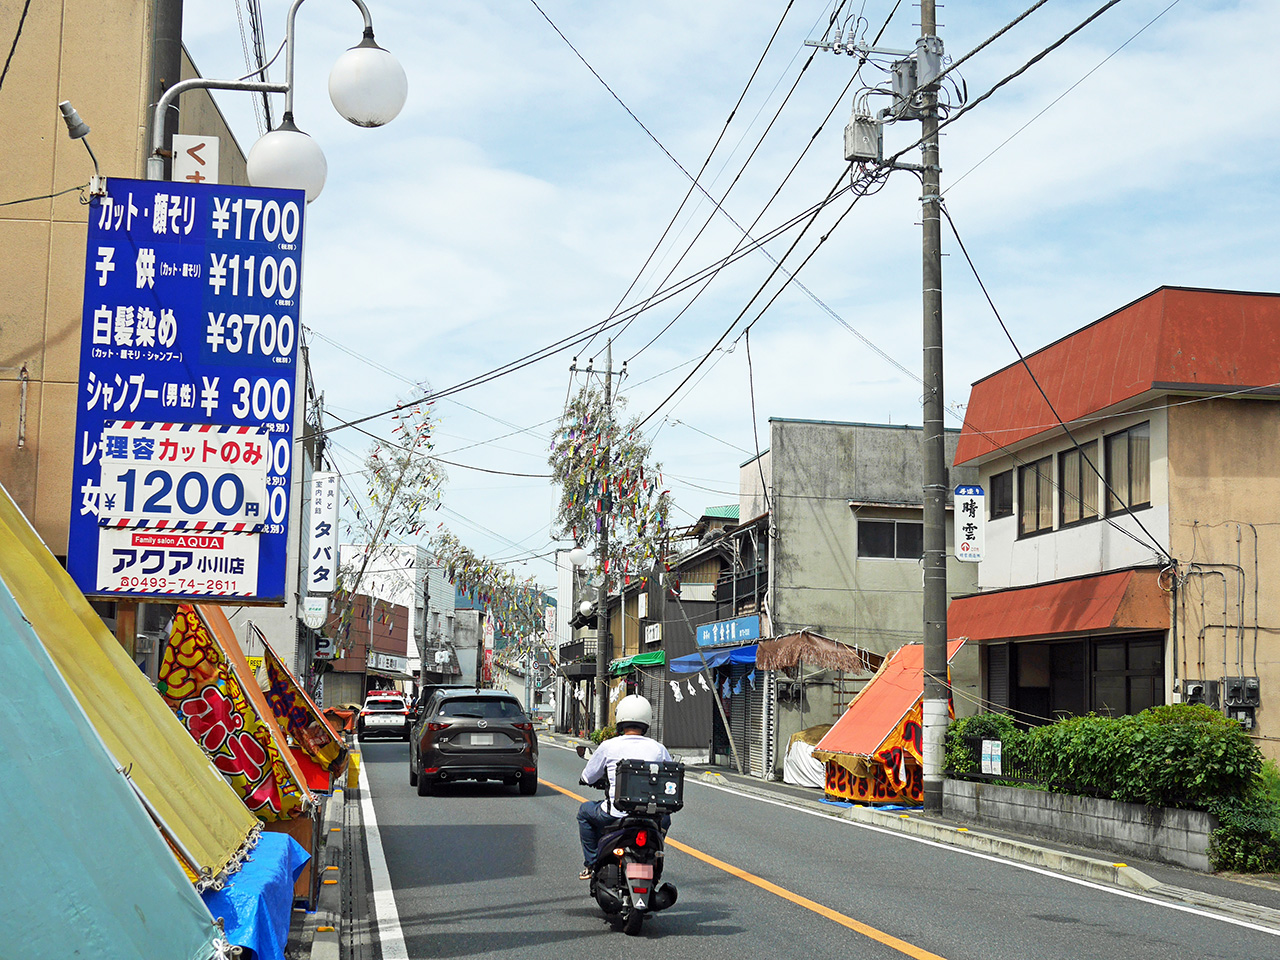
(514, 201)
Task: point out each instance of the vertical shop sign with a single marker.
(184, 415)
(970, 523)
(322, 575)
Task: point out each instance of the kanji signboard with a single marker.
(184, 418)
(970, 521)
(728, 632)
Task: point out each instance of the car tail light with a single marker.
(523, 726)
(433, 726)
(530, 769)
(430, 770)
(642, 837)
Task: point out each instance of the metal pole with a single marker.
(603, 652)
(937, 690)
(479, 650)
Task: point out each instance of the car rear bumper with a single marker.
(471, 768)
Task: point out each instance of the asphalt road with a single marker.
(480, 871)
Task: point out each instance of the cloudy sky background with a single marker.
(514, 202)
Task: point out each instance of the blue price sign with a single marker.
(184, 420)
(725, 632)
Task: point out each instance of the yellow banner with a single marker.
(893, 775)
(136, 725)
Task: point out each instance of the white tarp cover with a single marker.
(84, 872)
(799, 767)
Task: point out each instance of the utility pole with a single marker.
(603, 652)
(937, 688)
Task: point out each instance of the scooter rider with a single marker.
(596, 817)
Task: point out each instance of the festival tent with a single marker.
(84, 871)
(873, 752)
(212, 830)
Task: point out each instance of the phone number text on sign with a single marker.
(134, 561)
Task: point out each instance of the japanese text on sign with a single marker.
(322, 574)
(970, 523)
(187, 381)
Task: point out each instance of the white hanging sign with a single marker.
(323, 518)
(970, 523)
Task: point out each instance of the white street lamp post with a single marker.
(367, 86)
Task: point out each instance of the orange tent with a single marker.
(873, 752)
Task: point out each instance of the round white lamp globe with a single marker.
(287, 157)
(367, 85)
(579, 556)
(585, 608)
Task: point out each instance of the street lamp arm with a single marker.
(155, 162)
(288, 47)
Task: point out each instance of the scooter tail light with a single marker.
(642, 837)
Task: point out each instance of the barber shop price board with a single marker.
(185, 407)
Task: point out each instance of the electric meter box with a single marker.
(645, 786)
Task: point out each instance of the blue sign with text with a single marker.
(726, 632)
(184, 413)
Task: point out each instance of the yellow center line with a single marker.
(857, 926)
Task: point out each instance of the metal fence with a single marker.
(975, 758)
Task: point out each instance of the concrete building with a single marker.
(1144, 580)
(409, 576)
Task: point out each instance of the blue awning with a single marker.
(692, 663)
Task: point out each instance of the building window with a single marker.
(1035, 505)
(1129, 468)
(1128, 676)
(890, 539)
(1002, 495)
(1078, 483)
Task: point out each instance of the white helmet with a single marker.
(634, 709)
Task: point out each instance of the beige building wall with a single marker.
(1224, 496)
(97, 55)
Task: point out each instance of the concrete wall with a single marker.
(1153, 833)
(1224, 494)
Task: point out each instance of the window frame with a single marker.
(1115, 503)
(1044, 468)
(1071, 490)
(858, 539)
(999, 509)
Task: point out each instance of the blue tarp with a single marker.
(83, 870)
(692, 663)
(257, 904)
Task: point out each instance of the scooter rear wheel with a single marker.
(631, 926)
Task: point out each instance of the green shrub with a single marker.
(990, 726)
(1248, 836)
(599, 735)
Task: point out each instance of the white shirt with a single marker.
(630, 746)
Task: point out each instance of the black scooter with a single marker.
(626, 877)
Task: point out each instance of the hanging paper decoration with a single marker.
(737, 687)
(702, 680)
(689, 684)
(751, 678)
(675, 691)
(724, 689)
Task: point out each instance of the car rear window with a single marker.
(484, 709)
(386, 704)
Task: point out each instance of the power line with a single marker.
(14, 46)
(1067, 430)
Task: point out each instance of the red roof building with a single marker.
(1132, 512)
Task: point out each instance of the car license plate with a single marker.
(482, 739)
(385, 721)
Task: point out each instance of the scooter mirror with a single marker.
(584, 751)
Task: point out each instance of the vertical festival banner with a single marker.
(201, 686)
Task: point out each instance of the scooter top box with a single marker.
(643, 786)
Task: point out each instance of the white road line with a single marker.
(386, 916)
(1181, 908)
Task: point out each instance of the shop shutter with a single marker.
(998, 676)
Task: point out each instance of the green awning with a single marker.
(627, 664)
